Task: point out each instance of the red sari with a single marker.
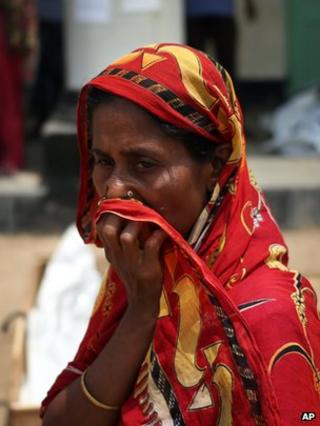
(237, 338)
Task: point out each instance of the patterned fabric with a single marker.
(237, 334)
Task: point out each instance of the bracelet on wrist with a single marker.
(91, 398)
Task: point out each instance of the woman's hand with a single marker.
(134, 253)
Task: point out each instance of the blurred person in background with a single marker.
(49, 81)
(214, 21)
(18, 39)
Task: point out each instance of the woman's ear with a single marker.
(221, 154)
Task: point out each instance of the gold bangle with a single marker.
(91, 398)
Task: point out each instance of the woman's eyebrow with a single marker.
(140, 151)
(132, 152)
(98, 152)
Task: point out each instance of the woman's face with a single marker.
(132, 152)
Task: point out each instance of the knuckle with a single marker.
(126, 238)
(151, 245)
(109, 231)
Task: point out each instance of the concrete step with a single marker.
(304, 250)
(304, 254)
(292, 188)
(21, 196)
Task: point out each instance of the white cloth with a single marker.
(59, 319)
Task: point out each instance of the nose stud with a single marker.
(127, 196)
(102, 199)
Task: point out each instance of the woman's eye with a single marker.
(106, 162)
(145, 164)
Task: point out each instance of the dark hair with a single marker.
(200, 148)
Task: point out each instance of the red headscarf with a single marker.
(232, 315)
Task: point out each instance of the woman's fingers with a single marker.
(109, 228)
(129, 237)
(153, 244)
(136, 241)
(129, 240)
(131, 248)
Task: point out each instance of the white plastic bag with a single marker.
(57, 323)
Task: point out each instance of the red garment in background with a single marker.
(11, 98)
(18, 38)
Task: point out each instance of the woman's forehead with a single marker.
(124, 116)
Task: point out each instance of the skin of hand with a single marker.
(135, 259)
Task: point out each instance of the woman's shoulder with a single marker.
(278, 285)
(280, 309)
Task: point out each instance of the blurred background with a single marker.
(48, 50)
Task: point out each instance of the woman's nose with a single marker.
(117, 188)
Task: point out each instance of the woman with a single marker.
(199, 321)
